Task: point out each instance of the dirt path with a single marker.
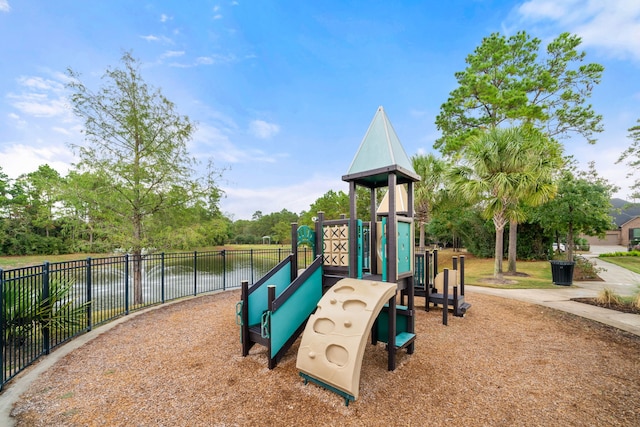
(505, 363)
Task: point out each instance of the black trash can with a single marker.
(562, 272)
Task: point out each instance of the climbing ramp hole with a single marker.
(344, 290)
(354, 305)
(337, 355)
(323, 326)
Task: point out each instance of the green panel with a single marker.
(295, 311)
(419, 275)
(383, 252)
(306, 236)
(402, 323)
(258, 302)
(405, 241)
(360, 248)
(380, 147)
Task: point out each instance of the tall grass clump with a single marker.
(609, 297)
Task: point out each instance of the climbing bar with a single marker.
(239, 321)
(264, 325)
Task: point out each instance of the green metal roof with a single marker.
(380, 153)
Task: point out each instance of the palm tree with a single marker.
(504, 169)
(431, 170)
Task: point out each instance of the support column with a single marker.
(353, 232)
(373, 235)
(392, 233)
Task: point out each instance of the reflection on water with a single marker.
(170, 277)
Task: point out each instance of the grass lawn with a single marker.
(531, 274)
(17, 261)
(629, 262)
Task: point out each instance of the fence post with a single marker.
(251, 264)
(195, 273)
(89, 302)
(46, 335)
(224, 269)
(162, 276)
(126, 284)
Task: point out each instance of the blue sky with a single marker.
(283, 91)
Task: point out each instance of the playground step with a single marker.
(404, 339)
(255, 334)
(464, 307)
(438, 298)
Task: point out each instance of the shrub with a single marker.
(617, 254)
(26, 310)
(609, 297)
(581, 244)
(585, 269)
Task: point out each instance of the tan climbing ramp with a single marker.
(453, 281)
(336, 335)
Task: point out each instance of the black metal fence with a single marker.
(47, 305)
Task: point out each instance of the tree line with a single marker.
(43, 212)
(501, 167)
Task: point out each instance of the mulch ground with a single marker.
(506, 363)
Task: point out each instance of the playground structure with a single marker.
(450, 281)
(350, 289)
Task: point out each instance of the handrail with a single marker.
(297, 283)
(270, 274)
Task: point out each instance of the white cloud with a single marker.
(244, 202)
(4, 6)
(204, 60)
(39, 105)
(61, 130)
(172, 54)
(154, 38)
(19, 159)
(165, 18)
(418, 113)
(263, 130)
(40, 83)
(40, 97)
(216, 14)
(19, 122)
(216, 143)
(612, 26)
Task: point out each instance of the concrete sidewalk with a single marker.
(620, 280)
(560, 299)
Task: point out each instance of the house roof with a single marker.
(380, 153)
(623, 211)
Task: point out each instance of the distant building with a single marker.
(627, 218)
